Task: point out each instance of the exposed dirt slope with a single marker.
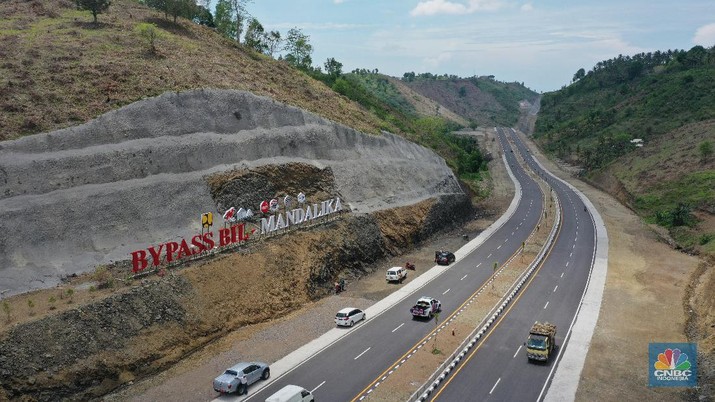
(140, 175)
(426, 106)
(86, 351)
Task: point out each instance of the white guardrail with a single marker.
(446, 368)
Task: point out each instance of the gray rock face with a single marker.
(88, 195)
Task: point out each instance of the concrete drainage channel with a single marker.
(423, 393)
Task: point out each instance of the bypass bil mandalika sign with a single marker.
(235, 233)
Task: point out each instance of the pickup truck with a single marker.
(541, 342)
(426, 307)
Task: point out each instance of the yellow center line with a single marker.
(463, 363)
(392, 366)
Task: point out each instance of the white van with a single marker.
(396, 274)
(291, 393)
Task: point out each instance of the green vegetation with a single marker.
(94, 6)
(706, 151)
(592, 121)
(7, 311)
(483, 100)
(667, 101)
(149, 33)
(31, 306)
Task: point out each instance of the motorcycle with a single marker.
(410, 266)
(339, 286)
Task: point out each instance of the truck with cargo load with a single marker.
(541, 341)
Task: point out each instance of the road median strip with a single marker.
(484, 307)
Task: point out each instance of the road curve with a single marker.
(351, 361)
(555, 293)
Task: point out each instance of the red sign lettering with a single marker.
(174, 251)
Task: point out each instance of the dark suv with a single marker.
(443, 257)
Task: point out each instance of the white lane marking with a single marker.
(571, 255)
(567, 263)
(495, 385)
(365, 351)
(446, 291)
(506, 240)
(490, 254)
(463, 277)
(398, 327)
(517, 352)
(547, 303)
(478, 265)
(512, 233)
(562, 274)
(319, 385)
(574, 245)
(557, 286)
(499, 246)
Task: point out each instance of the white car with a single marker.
(396, 274)
(348, 316)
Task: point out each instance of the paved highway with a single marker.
(351, 366)
(553, 294)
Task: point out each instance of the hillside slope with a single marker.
(147, 170)
(667, 101)
(482, 101)
(60, 70)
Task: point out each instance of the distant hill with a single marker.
(666, 102)
(483, 101)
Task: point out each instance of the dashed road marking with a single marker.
(517, 352)
(495, 385)
(446, 291)
(365, 351)
(319, 385)
(398, 327)
(546, 305)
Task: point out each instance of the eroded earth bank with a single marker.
(82, 199)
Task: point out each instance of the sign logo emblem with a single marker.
(264, 207)
(672, 365)
(207, 219)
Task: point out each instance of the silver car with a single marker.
(230, 380)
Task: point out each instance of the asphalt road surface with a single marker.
(498, 362)
(347, 369)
